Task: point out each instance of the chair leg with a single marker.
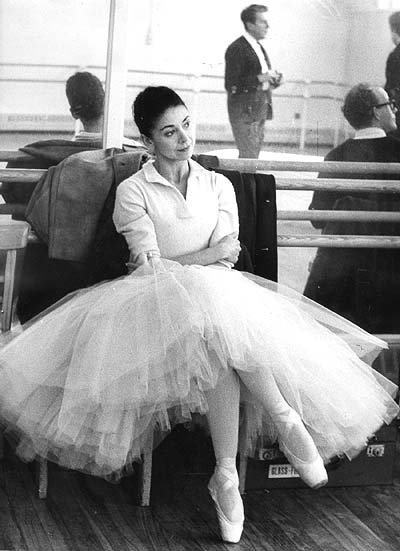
(242, 472)
(145, 475)
(243, 428)
(42, 477)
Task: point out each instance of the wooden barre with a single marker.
(8, 155)
(337, 184)
(331, 241)
(327, 167)
(26, 175)
(262, 165)
(340, 241)
(339, 215)
(30, 175)
(12, 208)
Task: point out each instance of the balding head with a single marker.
(368, 106)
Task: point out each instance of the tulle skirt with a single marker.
(88, 383)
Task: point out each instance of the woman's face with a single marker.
(172, 136)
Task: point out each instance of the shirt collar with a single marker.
(83, 136)
(153, 176)
(251, 40)
(369, 133)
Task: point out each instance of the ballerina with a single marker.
(88, 383)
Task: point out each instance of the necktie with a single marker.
(265, 55)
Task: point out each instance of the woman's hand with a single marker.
(229, 247)
(132, 265)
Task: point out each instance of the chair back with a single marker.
(13, 238)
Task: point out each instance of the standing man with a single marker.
(392, 85)
(249, 80)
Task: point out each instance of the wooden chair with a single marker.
(13, 240)
(257, 212)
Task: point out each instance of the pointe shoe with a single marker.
(231, 531)
(312, 471)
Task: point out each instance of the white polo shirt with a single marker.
(154, 216)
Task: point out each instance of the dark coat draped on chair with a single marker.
(71, 211)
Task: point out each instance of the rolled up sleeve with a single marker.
(132, 220)
(228, 218)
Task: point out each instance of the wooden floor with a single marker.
(85, 513)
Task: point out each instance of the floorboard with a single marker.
(83, 513)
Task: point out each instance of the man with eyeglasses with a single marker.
(249, 81)
(371, 113)
(361, 284)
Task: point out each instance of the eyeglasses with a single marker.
(390, 103)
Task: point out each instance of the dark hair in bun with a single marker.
(150, 104)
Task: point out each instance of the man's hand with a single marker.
(264, 77)
(274, 78)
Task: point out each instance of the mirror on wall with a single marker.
(41, 45)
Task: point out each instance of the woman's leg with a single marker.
(223, 419)
(223, 415)
(294, 440)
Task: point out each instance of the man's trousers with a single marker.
(247, 115)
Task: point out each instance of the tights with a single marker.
(223, 419)
(223, 415)
(297, 440)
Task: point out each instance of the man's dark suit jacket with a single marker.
(241, 69)
(373, 150)
(362, 285)
(392, 85)
(393, 71)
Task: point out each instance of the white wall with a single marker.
(69, 33)
(54, 31)
(303, 42)
(308, 39)
(192, 35)
(369, 45)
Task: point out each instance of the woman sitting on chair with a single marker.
(89, 382)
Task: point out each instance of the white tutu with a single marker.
(89, 382)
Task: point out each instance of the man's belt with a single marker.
(235, 90)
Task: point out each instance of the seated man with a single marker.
(361, 284)
(85, 95)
